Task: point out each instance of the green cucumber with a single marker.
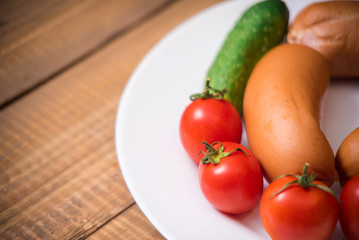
(259, 29)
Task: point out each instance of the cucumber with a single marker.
(260, 28)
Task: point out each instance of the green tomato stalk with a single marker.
(215, 155)
(209, 92)
(304, 181)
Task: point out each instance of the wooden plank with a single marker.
(59, 173)
(132, 224)
(38, 38)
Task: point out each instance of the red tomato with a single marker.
(209, 120)
(298, 212)
(235, 184)
(349, 208)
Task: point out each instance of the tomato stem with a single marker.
(215, 155)
(209, 92)
(304, 181)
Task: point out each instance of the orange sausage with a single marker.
(282, 112)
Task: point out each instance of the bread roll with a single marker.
(347, 157)
(331, 28)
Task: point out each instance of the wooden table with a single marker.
(63, 67)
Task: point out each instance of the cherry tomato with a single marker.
(233, 183)
(349, 208)
(209, 120)
(298, 212)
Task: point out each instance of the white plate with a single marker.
(159, 174)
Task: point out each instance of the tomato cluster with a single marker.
(231, 178)
(211, 130)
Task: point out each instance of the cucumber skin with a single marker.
(259, 29)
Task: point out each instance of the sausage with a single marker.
(331, 28)
(347, 157)
(282, 113)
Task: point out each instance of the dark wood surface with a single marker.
(63, 67)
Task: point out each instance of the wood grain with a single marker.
(39, 38)
(59, 173)
(132, 224)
